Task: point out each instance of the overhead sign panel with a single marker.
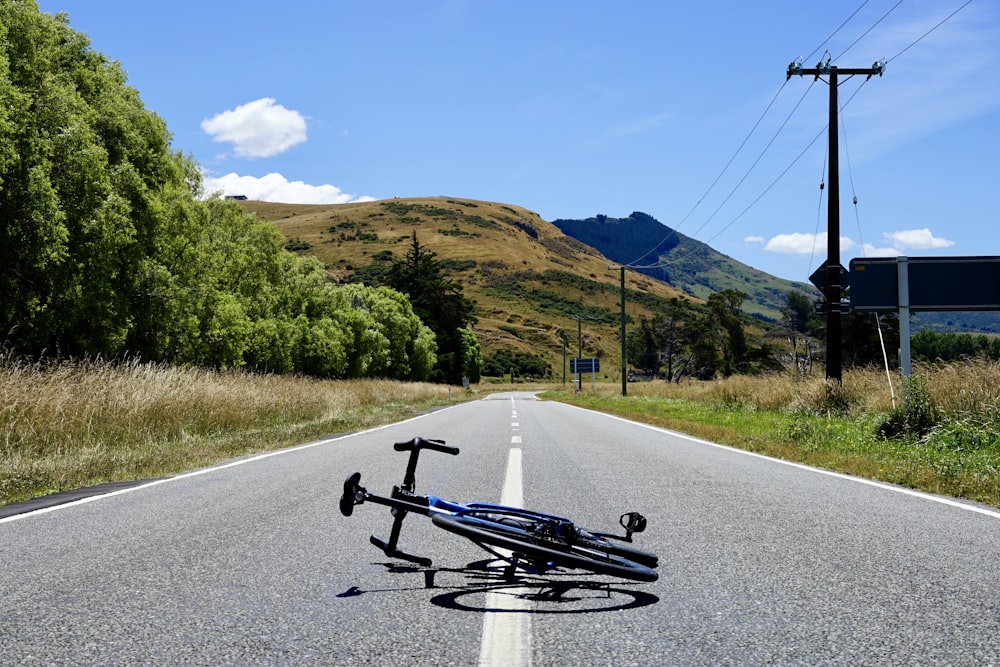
(935, 283)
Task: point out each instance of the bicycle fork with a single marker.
(400, 503)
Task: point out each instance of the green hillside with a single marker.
(533, 286)
(689, 265)
(529, 281)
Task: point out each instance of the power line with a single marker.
(673, 232)
(679, 256)
(891, 10)
(738, 184)
(941, 23)
(832, 34)
(757, 161)
(675, 228)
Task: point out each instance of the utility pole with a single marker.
(834, 270)
(624, 346)
(579, 347)
(562, 335)
(624, 364)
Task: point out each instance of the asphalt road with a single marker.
(761, 562)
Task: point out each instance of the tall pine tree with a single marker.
(440, 304)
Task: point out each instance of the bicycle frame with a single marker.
(403, 500)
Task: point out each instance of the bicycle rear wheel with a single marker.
(591, 555)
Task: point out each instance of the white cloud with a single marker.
(815, 244)
(868, 250)
(756, 240)
(803, 244)
(257, 129)
(920, 239)
(276, 188)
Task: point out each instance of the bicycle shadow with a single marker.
(553, 593)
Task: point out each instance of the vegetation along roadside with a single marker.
(944, 439)
(70, 425)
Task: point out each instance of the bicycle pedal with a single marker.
(632, 522)
(353, 494)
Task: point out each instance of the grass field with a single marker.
(71, 425)
(945, 439)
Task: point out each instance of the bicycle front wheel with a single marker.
(588, 555)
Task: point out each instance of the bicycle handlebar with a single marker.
(425, 443)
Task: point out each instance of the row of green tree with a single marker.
(106, 247)
(689, 340)
(931, 346)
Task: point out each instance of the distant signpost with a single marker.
(577, 366)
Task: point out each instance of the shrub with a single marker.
(915, 417)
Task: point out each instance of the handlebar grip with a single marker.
(425, 443)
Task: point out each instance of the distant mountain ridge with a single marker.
(689, 265)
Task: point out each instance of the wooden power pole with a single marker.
(834, 270)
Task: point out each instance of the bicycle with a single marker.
(536, 542)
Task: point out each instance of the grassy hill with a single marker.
(529, 281)
(685, 263)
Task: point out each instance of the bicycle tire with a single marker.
(590, 557)
(621, 549)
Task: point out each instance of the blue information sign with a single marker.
(584, 365)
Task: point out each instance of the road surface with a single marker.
(251, 563)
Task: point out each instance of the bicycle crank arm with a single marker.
(392, 552)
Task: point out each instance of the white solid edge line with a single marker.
(205, 471)
(802, 466)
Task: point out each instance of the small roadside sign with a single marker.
(819, 276)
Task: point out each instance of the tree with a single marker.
(518, 364)
(106, 247)
(798, 311)
(675, 341)
(643, 345)
(798, 320)
(724, 307)
(440, 304)
(83, 169)
(472, 356)
(664, 345)
(703, 336)
(399, 346)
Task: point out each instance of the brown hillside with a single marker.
(527, 278)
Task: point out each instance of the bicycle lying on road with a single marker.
(534, 541)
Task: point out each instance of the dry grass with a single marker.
(69, 425)
(967, 386)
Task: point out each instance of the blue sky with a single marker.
(573, 109)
